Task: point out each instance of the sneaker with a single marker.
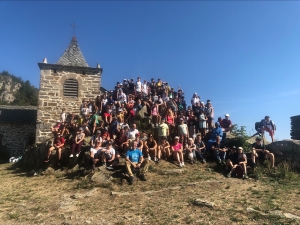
(245, 176)
(109, 168)
(203, 161)
(155, 159)
(77, 155)
(71, 156)
(149, 157)
(229, 174)
(182, 164)
(142, 177)
(178, 164)
(93, 167)
(158, 160)
(131, 179)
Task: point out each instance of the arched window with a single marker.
(71, 88)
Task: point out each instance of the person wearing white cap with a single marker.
(226, 123)
(177, 152)
(242, 164)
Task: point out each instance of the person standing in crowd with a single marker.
(210, 115)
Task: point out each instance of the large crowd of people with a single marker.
(173, 130)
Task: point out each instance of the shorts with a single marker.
(210, 118)
(271, 132)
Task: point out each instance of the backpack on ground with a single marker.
(239, 171)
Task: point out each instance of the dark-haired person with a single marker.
(163, 149)
(269, 126)
(135, 160)
(200, 148)
(108, 156)
(58, 144)
(259, 151)
(150, 147)
(219, 150)
(77, 142)
(94, 157)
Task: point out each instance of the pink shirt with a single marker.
(177, 147)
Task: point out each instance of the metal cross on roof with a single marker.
(74, 27)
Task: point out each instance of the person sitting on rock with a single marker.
(231, 158)
(240, 160)
(177, 152)
(108, 156)
(77, 142)
(150, 147)
(190, 148)
(259, 151)
(94, 157)
(96, 137)
(163, 149)
(58, 145)
(200, 148)
(135, 160)
(121, 142)
(219, 150)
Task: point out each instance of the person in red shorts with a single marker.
(58, 144)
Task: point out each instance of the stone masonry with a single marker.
(17, 128)
(52, 99)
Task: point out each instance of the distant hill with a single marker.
(15, 91)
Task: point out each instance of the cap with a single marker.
(258, 138)
(58, 121)
(98, 132)
(227, 115)
(121, 84)
(80, 128)
(240, 148)
(176, 137)
(124, 79)
(233, 147)
(181, 119)
(195, 93)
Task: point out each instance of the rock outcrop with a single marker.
(8, 88)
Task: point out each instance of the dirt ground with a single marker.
(163, 199)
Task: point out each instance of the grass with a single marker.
(47, 198)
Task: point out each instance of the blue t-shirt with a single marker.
(216, 132)
(134, 155)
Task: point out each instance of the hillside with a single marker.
(15, 91)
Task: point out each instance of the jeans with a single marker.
(200, 153)
(220, 156)
(143, 168)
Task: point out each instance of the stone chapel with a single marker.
(64, 85)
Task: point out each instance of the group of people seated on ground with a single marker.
(177, 132)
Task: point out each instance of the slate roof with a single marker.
(18, 115)
(72, 56)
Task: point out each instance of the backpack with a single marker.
(239, 171)
(257, 125)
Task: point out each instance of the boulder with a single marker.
(286, 150)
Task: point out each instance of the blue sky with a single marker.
(243, 56)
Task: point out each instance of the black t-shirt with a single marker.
(199, 144)
(131, 86)
(233, 157)
(216, 145)
(258, 146)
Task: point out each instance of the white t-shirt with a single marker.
(122, 97)
(94, 151)
(131, 133)
(85, 111)
(195, 100)
(145, 88)
(182, 129)
(138, 87)
(63, 117)
(111, 152)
